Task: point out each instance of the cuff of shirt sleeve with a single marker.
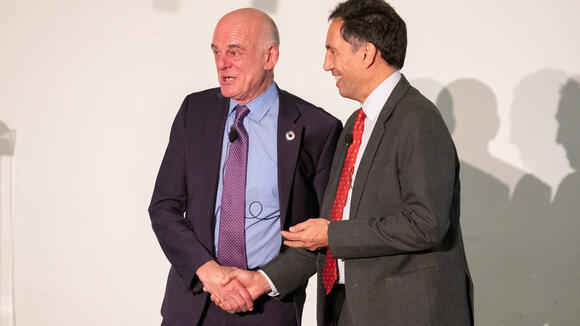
(274, 292)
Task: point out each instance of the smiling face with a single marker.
(244, 55)
(344, 64)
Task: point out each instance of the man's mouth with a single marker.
(337, 78)
(228, 79)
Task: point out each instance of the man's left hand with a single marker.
(311, 234)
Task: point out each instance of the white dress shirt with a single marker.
(371, 107)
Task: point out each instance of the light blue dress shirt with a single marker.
(263, 239)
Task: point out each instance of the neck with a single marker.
(376, 75)
(266, 82)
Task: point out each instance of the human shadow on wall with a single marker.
(531, 268)
(470, 109)
(6, 140)
(565, 214)
(534, 126)
(477, 123)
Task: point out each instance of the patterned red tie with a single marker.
(329, 274)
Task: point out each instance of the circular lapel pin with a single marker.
(290, 135)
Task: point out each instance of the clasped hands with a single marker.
(232, 289)
(235, 290)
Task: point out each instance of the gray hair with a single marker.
(273, 31)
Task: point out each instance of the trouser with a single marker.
(337, 313)
(267, 311)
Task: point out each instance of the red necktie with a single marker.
(330, 273)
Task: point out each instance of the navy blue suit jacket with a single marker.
(183, 204)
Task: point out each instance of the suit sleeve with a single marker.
(293, 267)
(427, 169)
(168, 205)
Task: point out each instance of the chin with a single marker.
(344, 94)
(227, 91)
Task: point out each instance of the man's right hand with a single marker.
(254, 282)
(231, 294)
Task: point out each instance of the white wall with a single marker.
(90, 89)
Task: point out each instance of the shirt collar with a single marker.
(375, 102)
(260, 105)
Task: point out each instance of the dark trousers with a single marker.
(337, 313)
(267, 311)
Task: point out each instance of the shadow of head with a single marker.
(533, 123)
(469, 107)
(568, 118)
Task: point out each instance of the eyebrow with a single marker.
(230, 46)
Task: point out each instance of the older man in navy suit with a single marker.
(244, 161)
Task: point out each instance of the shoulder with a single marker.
(416, 111)
(308, 111)
(416, 121)
(205, 96)
(201, 106)
(203, 103)
(413, 103)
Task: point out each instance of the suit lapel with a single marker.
(336, 169)
(288, 150)
(373, 144)
(214, 124)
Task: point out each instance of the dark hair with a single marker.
(373, 21)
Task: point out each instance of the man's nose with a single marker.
(328, 64)
(221, 62)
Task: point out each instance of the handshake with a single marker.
(232, 289)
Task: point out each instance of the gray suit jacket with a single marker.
(403, 250)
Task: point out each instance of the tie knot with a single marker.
(361, 116)
(241, 112)
(359, 124)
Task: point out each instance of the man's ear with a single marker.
(369, 54)
(271, 57)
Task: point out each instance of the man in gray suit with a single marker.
(389, 249)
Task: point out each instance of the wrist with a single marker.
(206, 270)
(270, 289)
(263, 282)
(265, 285)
